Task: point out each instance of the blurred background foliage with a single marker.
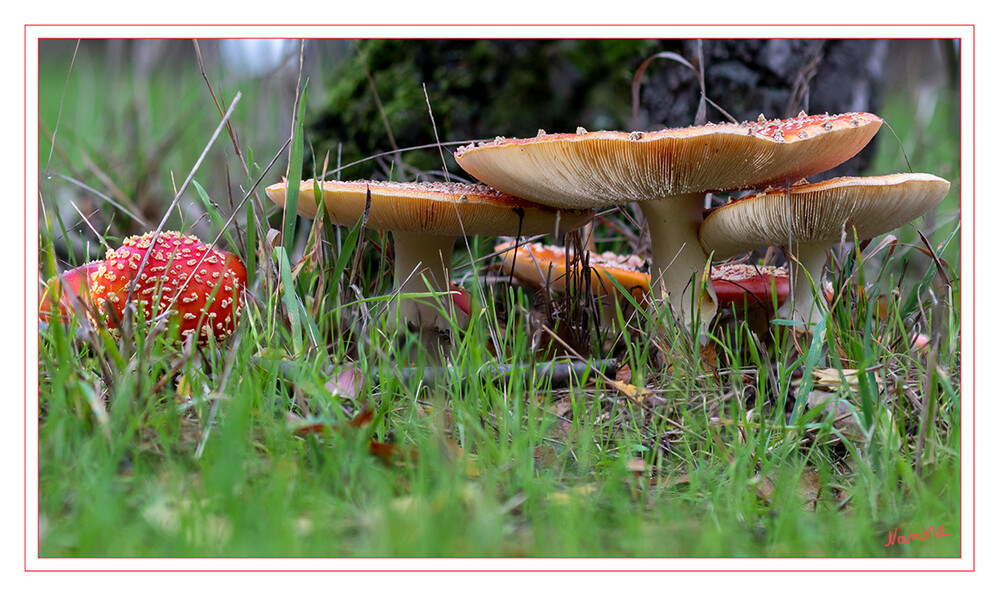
(122, 122)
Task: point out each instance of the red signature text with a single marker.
(895, 538)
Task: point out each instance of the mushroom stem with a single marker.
(678, 261)
(805, 268)
(418, 257)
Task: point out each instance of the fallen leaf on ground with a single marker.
(844, 416)
(807, 488)
(630, 391)
(545, 457)
(709, 355)
(386, 452)
(833, 378)
(346, 382)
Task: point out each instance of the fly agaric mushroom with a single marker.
(540, 265)
(816, 216)
(425, 219)
(668, 173)
(736, 284)
(199, 285)
(65, 290)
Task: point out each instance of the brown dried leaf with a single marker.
(623, 374)
(302, 427)
(809, 488)
(273, 238)
(765, 487)
(562, 410)
(392, 454)
(709, 356)
(833, 378)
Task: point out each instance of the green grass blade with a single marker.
(295, 172)
(289, 298)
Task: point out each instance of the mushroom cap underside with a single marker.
(603, 168)
(819, 213)
(447, 209)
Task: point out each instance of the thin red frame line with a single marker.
(974, 433)
(25, 298)
(501, 25)
(452, 25)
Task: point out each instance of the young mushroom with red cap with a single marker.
(814, 217)
(668, 173)
(539, 265)
(196, 285)
(425, 220)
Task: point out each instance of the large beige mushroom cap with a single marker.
(819, 213)
(446, 209)
(599, 169)
(815, 216)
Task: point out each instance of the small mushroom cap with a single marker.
(201, 286)
(540, 265)
(599, 169)
(819, 212)
(445, 209)
(736, 282)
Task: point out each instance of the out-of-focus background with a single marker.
(123, 122)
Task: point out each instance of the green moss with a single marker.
(476, 89)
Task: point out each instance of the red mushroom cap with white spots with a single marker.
(199, 285)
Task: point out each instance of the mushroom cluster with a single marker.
(552, 183)
(167, 274)
(669, 172)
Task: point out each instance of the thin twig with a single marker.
(180, 193)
